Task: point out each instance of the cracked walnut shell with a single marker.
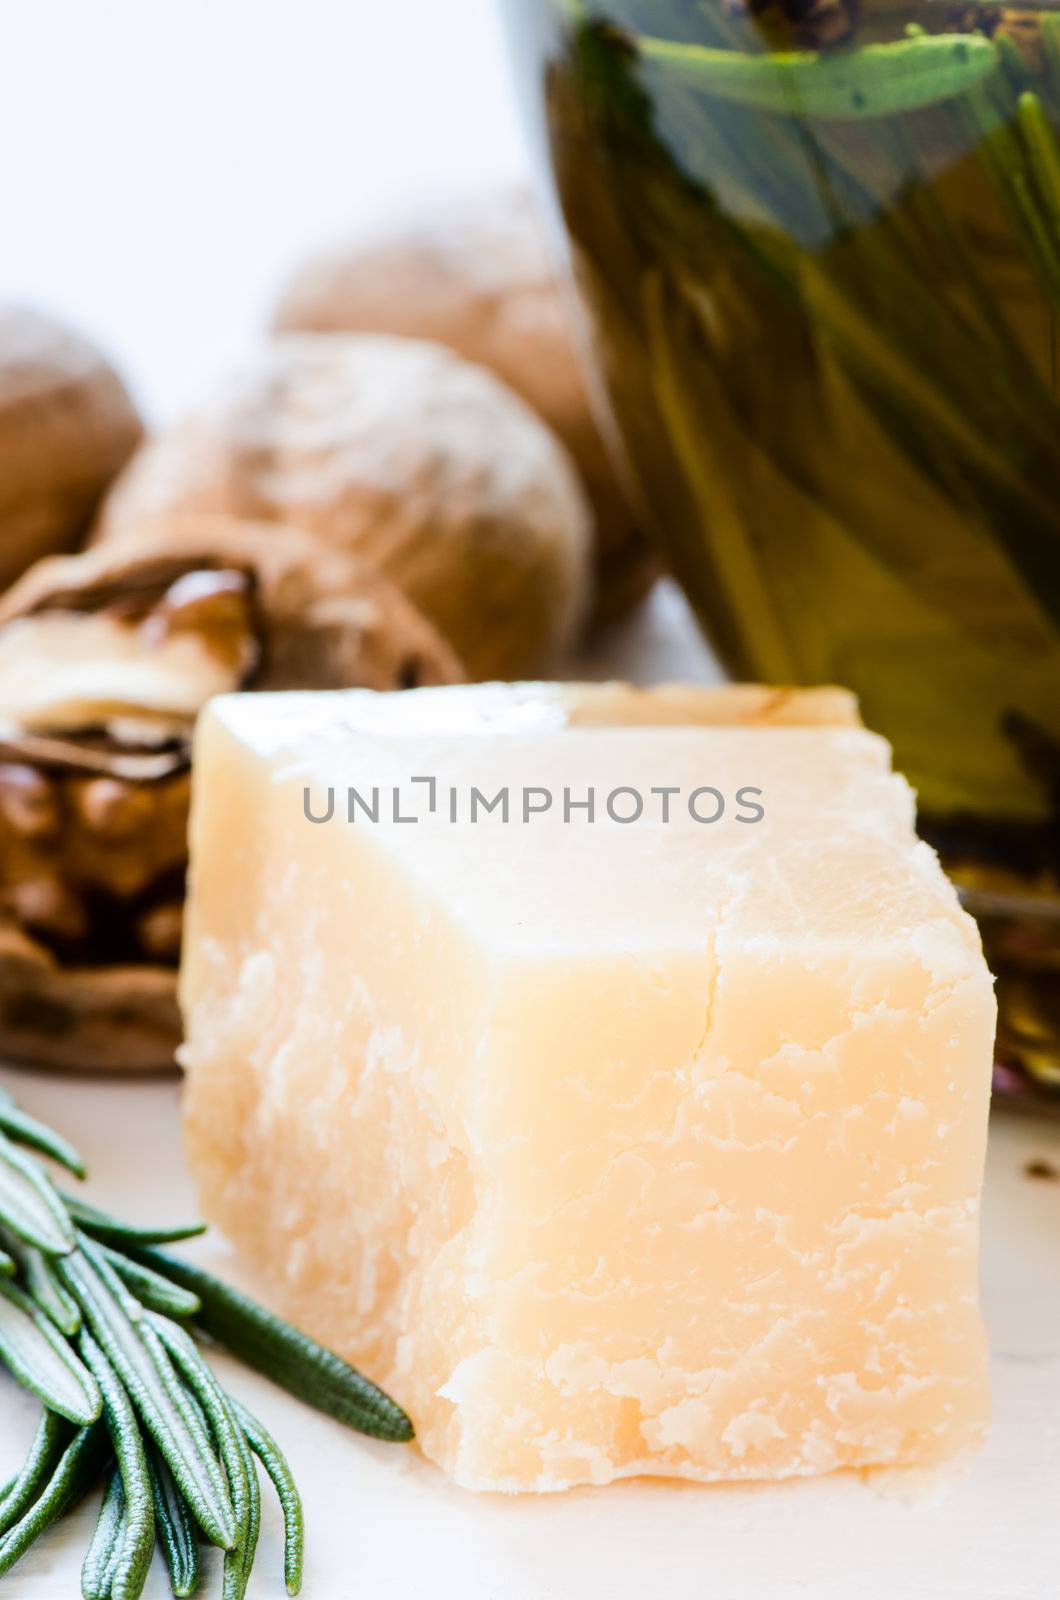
(105, 659)
(424, 466)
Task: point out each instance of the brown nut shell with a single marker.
(119, 1019)
(424, 467)
(325, 620)
(67, 427)
(477, 278)
(93, 824)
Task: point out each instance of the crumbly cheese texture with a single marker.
(609, 1148)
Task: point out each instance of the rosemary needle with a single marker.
(149, 1287)
(44, 1286)
(98, 1322)
(101, 1558)
(49, 1441)
(70, 1479)
(176, 1535)
(26, 1130)
(29, 1206)
(101, 1225)
(41, 1358)
(273, 1460)
(238, 1562)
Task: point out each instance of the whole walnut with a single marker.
(67, 427)
(477, 278)
(425, 467)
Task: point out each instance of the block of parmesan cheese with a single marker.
(605, 1071)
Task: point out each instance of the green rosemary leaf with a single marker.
(1043, 156)
(176, 1534)
(101, 1558)
(49, 1441)
(192, 1413)
(138, 1518)
(29, 1206)
(289, 1358)
(112, 1315)
(877, 80)
(240, 1562)
(44, 1287)
(72, 1477)
(183, 1447)
(110, 1230)
(273, 1460)
(211, 1398)
(999, 150)
(41, 1360)
(27, 1130)
(226, 1434)
(150, 1288)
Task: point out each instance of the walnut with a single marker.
(121, 1018)
(67, 426)
(477, 278)
(425, 467)
(105, 659)
(320, 618)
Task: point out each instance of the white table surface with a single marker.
(384, 1522)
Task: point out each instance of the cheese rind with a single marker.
(608, 1148)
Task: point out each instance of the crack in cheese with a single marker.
(608, 1148)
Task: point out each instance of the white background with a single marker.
(162, 165)
(164, 162)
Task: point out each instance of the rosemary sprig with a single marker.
(98, 1322)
